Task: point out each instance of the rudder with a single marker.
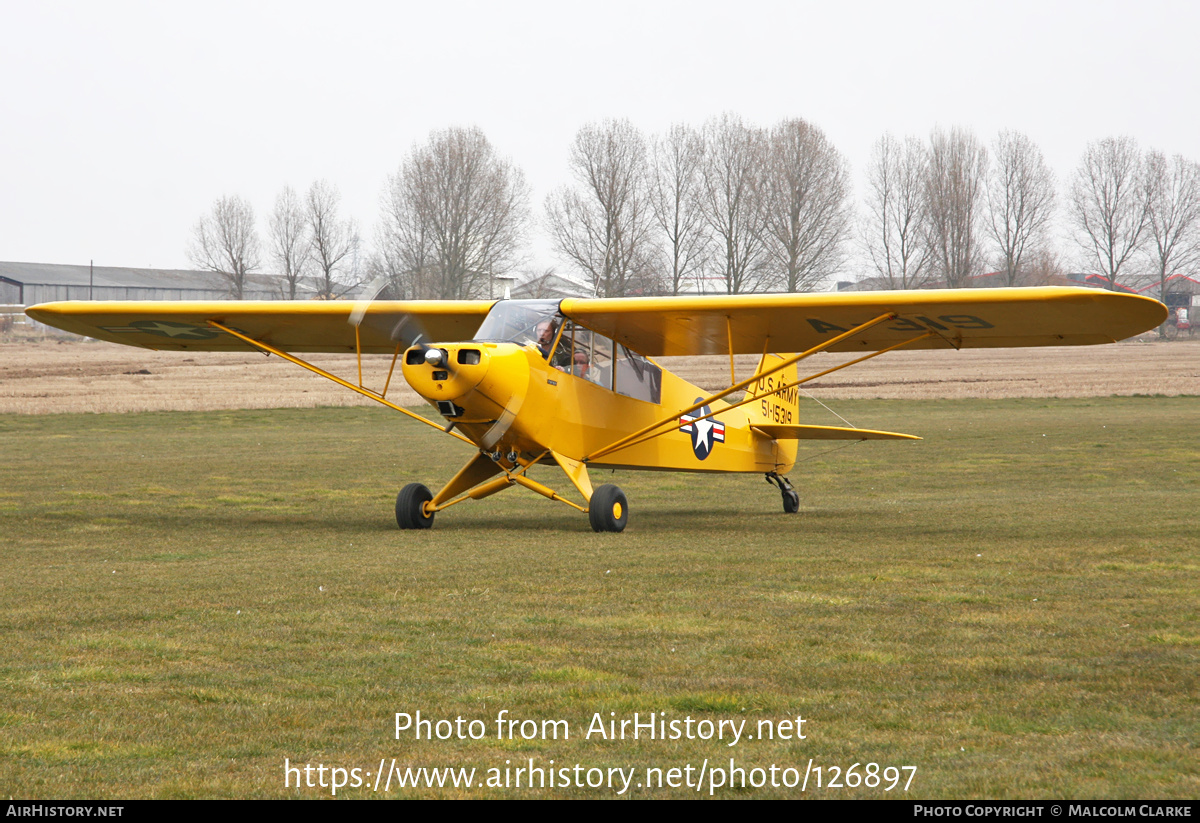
(776, 407)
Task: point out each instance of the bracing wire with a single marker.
(831, 411)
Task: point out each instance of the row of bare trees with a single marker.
(740, 209)
(724, 207)
(1131, 208)
(308, 243)
(935, 210)
(455, 216)
(748, 209)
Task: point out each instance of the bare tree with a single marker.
(731, 202)
(225, 241)
(1042, 267)
(603, 224)
(1173, 189)
(805, 189)
(403, 255)
(1109, 205)
(675, 187)
(894, 228)
(334, 242)
(1020, 202)
(954, 195)
(287, 230)
(455, 215)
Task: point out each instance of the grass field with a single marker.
(1010, 606)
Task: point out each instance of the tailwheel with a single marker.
(410, 507)
(791, 499)
(608, 510)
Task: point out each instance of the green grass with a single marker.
(1010, 605)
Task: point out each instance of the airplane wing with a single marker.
(307, 326)
(959, 318)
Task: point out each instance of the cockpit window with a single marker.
(516, 321)
(579, 351)
(590, 354)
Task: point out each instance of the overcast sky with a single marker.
(122, 122)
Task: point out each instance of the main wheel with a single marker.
(410, 507)
(608, 510)
(791, 501)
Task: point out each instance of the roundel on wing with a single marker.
(705, 432)
(169, 328)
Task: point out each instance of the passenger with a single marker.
(582, 364)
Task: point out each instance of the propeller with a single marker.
(505, 420)
(365, 298)
(407, 329)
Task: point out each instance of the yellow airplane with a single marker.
(572, 382)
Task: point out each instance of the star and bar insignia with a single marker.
(165, 328)
(704, 432)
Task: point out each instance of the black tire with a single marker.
(608, 510)
(410, 507)
(791, 501)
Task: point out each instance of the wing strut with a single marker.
(803, 380)
(729, 336)
(378, 398)
(650, 431)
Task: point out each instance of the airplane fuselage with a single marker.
(507, 398)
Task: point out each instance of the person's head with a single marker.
(545, 332)
(581, 363)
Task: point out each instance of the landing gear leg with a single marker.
(791, 500)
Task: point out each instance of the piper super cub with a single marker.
(572, 382)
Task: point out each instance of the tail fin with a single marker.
(776, 407)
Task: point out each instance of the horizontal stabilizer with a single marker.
(778, 432)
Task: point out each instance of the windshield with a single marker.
(516, 321)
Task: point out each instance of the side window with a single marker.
(590, 354)
(596, 358)
(637, 377)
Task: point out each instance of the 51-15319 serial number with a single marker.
(775, 412)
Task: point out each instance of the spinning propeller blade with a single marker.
(408, 330)
(365, 298)
(403, 328)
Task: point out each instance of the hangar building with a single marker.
(26, 284)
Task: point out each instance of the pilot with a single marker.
(547, 330)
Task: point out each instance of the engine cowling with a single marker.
(468, 382)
